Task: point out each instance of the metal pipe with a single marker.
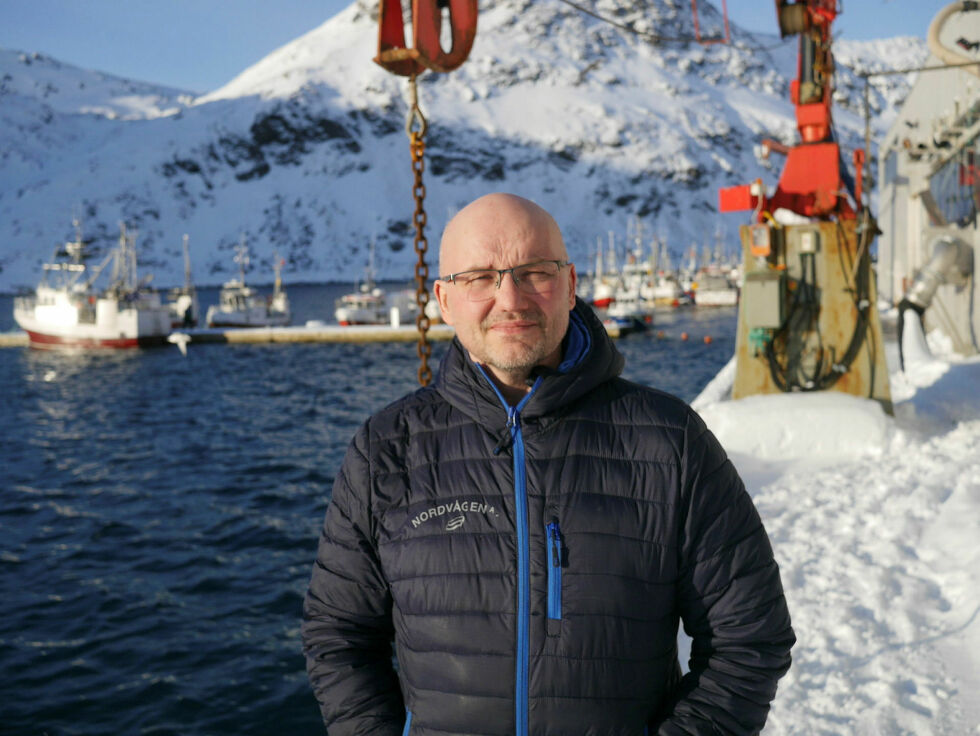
(951, 263)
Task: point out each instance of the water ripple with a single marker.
(159, 514)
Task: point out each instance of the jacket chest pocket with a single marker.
(555, 560)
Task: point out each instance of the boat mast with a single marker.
(74, 250)
(611, 263)
(187, 265)
(118, 259)
(370, 267)
(241, 258)
(277, 264)
(598, 259)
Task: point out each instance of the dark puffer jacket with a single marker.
(532, 563)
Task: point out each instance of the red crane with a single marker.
(814, 177)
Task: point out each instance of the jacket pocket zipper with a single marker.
(554, 572)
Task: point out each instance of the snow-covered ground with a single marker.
(875, 522)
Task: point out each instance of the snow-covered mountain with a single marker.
(305, 152)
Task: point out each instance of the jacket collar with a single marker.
(589, 358)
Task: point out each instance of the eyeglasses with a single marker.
(534, 279)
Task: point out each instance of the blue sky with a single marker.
(199, 45)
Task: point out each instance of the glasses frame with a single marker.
(451, 278)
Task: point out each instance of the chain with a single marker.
(416, 126)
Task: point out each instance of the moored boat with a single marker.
(715, 290)
(182, 300)
(366, 306)
(240, 305)
(369, 304)
(605, 281)
(67, 310)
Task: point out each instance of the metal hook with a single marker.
(415, 116)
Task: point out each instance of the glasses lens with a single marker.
(537, 278)
(531, 278)
(478, 285)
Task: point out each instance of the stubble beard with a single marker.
(517, 355)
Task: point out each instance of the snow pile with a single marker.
(875, 522)
(782, 427)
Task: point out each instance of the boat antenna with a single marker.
(370, 273)
(187, 264)
(117, 266)
(132, 277)
(241, 257)
(277, 264)
(598, 258)
(74, 248)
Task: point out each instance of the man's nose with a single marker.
(507, 294)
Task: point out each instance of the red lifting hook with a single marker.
(426, 27)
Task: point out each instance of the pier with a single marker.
(15, 339)
(316, 333)
(306, 333)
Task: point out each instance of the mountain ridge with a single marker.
(304, 152)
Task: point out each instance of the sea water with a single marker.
(159, 517)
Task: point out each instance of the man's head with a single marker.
(516, 327)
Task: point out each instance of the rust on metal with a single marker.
(426, 51)
(835, 261)
(416, 127)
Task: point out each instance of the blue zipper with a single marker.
(408, 723)
(554, 570)
(523, 571)
(523, 552)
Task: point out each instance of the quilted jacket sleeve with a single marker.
(730, 599)
(347, 628)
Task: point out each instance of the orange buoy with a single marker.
(660, 334)
(707, 339)
(683, 336)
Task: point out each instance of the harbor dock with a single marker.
(316, 333)
(15, 339)
(306, 333)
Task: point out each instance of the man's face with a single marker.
(513, 331)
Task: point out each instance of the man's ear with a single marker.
(442, 296)
(572, 279)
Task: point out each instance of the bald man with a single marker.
(530, 530)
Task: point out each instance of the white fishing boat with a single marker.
(665, 290)
(621, 319)
(605, 281)
(632, 314)
(182, 300)
(67, 310)
(717, 281)
(603, 294)
(240, 305)
(715, 290)
(367, 304)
